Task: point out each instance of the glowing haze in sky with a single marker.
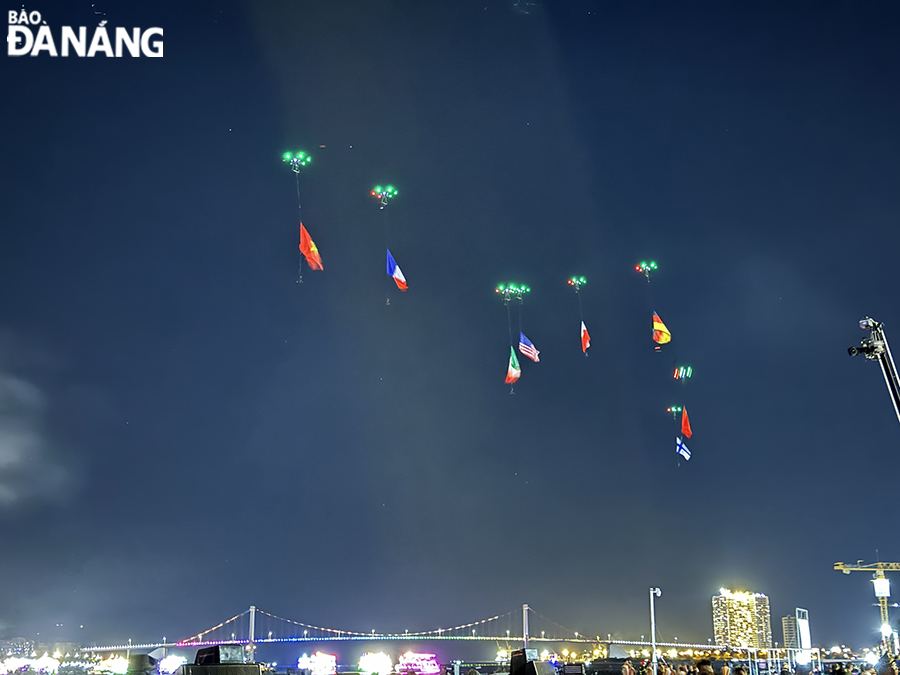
(186, 431)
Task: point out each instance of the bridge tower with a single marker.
(251, 645)
(525, 625)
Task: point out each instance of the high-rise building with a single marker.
(791, 636)
(742, 619)
(796, 630)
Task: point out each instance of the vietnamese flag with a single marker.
(685, 424)
(309, 250)
(585, 339)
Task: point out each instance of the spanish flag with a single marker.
(661, 334)
(309, 250)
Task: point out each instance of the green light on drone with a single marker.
(509, 290)
(384, 193)
(296, 160)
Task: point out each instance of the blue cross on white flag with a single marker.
(681, 448)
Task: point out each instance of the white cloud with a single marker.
(26, 467)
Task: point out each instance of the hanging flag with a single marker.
(681, 448)
(527, 348)
(513, 372)
(585, 338)
(661, 334)
(394, 271)
(685, 424)
(309, 250)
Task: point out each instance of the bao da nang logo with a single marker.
(29, 35)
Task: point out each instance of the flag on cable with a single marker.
(309, 250)
(394, 271)
(527, 348)
(661, 334)
(681, 448)
(513, 371)
(585, 338)
(685, 424)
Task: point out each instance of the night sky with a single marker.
(186, 431)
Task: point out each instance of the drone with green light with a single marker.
(510, 291)
(296, 160)
(645, 268)
(384, 194)
(675, 409)
(682, 373)
(577, 282)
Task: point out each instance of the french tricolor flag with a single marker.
(394, 271)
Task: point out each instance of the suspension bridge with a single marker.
(255, 626)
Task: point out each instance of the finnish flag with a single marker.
(681, 448)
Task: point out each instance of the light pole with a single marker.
(654, 593)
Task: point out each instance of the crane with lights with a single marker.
(882, 592)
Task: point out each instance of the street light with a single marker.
(654, 593)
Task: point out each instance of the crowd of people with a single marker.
(702, 667)
(706, 667)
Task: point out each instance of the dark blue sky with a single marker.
(185, 431)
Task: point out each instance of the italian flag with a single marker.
(513, 372)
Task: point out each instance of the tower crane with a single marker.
(882, 592)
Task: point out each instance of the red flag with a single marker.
(585, 338)
(309, 250)
(685, 424)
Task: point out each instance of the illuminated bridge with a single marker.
(255, 626)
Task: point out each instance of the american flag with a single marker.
(527, 348)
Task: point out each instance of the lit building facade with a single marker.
(791, 634)
(796, 630)
(742, 619)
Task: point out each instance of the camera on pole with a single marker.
(875, 348)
